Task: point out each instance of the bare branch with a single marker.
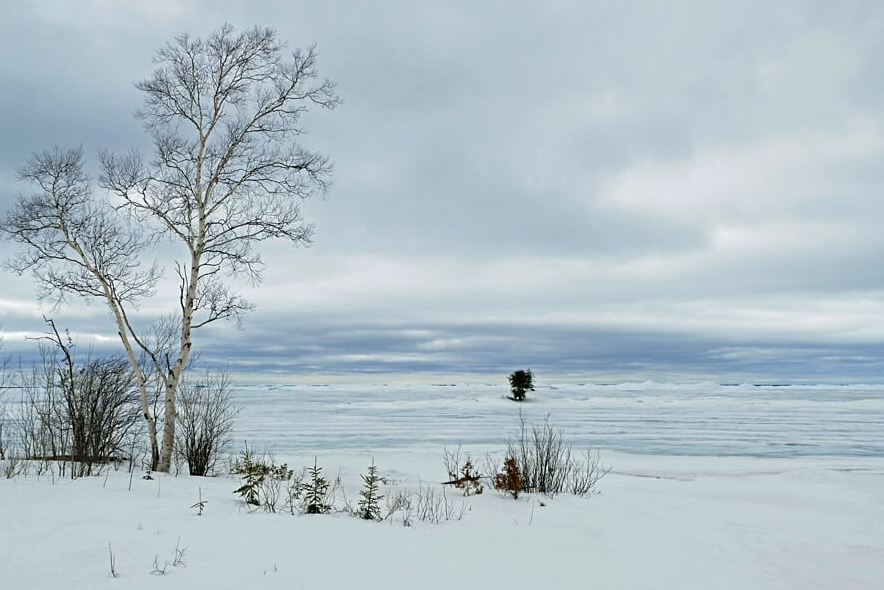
(74, 244)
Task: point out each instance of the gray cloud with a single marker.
(688, 188)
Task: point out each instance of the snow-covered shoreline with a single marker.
(660, 522)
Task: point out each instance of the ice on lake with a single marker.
(700, 419)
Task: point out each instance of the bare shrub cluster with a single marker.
(85, 414)
(426, 503)
(205, 418)
(547, 465)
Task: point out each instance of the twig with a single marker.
(157, 570)
(178, 557)
(113, 561)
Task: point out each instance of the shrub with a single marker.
(452, 463)
(510, 479)
(204, 422)
(266, 484)
(521, 381)
(463, 477)
(262, 479)
(425, 504)
(86, 413)
(547, 465)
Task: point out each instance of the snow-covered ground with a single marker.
(712, 487)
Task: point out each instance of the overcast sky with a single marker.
(599, 190)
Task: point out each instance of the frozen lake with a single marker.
(703, 419)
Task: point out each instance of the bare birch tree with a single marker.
(77, 245)
(224, 115)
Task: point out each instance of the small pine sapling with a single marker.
(294, 491)
(509, 480)
(369, 509)
(469, 480)
(464, 478)
(246, 461)
(262, 479)
(316, 491)
(250, 490)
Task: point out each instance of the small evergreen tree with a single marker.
(253, 472)
(510, 479)
(316, 491)
(250, 490)
(521, 381)
(469, 480)
(261, 479)
(371, 496)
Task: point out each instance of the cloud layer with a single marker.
(608, 189)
